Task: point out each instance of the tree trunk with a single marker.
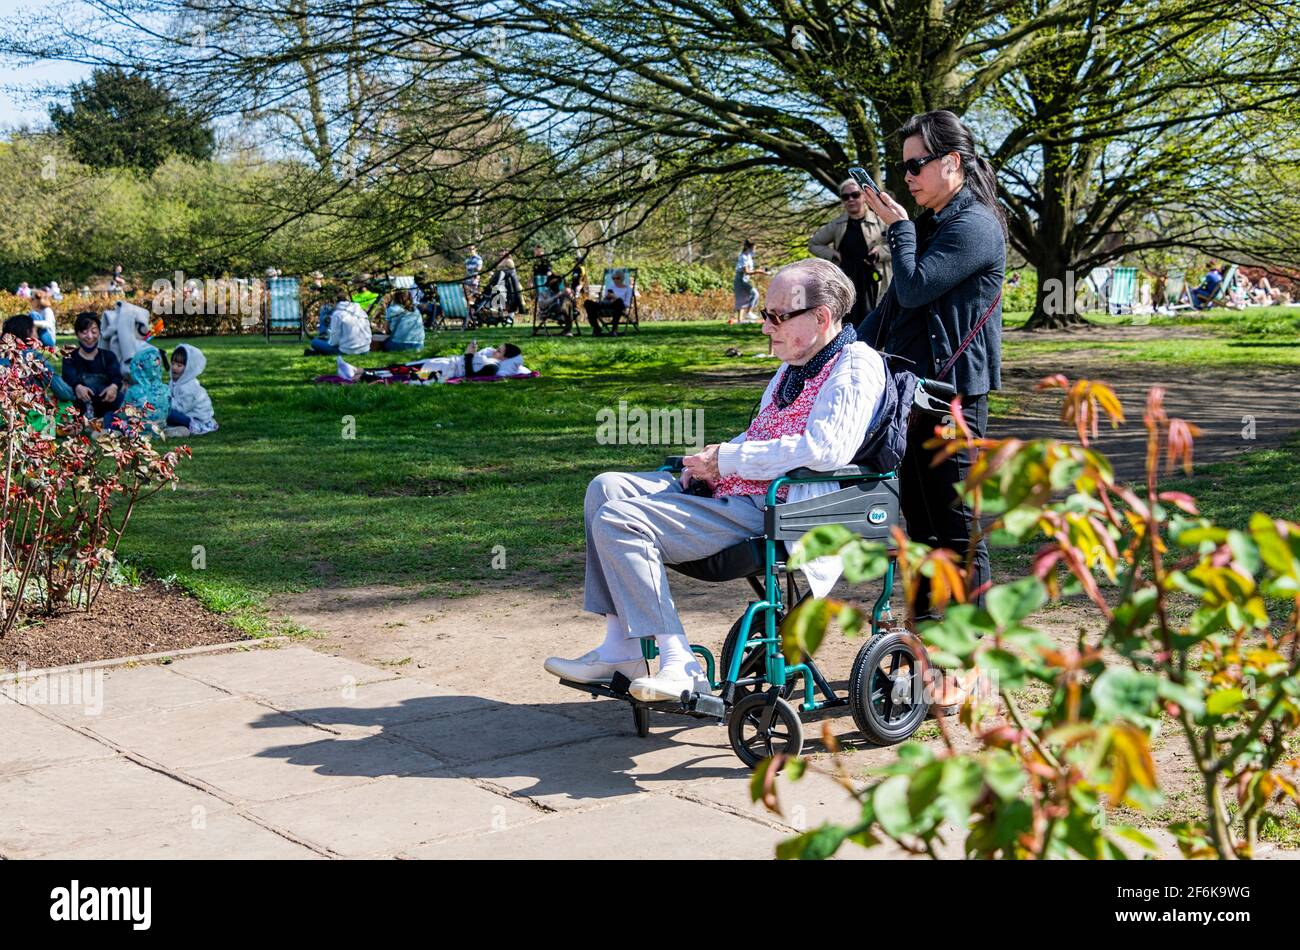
(1054, 304)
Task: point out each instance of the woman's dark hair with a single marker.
(942, 132)
(85, 319)
(510, 351)
(748, 245)
(179, 354)
(20, 325)
(403, 299)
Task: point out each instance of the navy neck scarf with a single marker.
(791, 385)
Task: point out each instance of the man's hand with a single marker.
(703, 466)
(109, 393)
(884, 207)
(82, 393)
(472, 348)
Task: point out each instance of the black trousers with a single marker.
(934, 513)
(599, 311)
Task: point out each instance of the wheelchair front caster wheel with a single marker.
(754, 736)
(641, 719)
(887, 687)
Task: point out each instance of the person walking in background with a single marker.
(746, 293)
(942, 314)
(860, 251)
(473, 267)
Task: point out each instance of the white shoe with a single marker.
(670, 685)
(589, 668)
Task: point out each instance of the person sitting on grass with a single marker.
(23, 329)
(43, 317)
(405, 325)
(92, 372)
(146, 390)
(508, 360)
(349, 330)
(191, 404)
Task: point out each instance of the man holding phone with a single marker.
(861, 251)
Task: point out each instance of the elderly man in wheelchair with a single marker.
(812, 419)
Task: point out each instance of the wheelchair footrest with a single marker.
(704, 704)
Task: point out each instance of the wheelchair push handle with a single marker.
(933, 396)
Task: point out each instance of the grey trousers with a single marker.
(639, 521)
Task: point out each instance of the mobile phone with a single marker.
(862, 178)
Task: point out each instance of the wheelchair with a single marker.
(752, 685)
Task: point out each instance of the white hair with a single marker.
(819, 283)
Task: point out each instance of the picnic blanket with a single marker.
(416, 381)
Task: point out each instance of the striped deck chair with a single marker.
(1123, 290)
(1176, 297)
(1220, 298)
(282, 308)
(452, 304)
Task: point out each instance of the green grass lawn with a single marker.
(437, 477)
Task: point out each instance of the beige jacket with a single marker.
(823, 243)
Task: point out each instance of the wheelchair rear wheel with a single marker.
(752, 741)
(887, 687)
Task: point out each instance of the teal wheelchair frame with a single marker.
(752, 697)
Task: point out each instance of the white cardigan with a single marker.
(843, 411)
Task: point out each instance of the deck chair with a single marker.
(1123, 290)
(1097, 287)
(452, 305)
(1176, 296)
(282, 310)
(630, 316)
(543, 324)
(1220, 297)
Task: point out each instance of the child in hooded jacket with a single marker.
(191, 405)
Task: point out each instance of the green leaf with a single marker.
(1244, 551)
(1006, 666)
(1027, 638)
(804, 629)
(1120, 693)
(890, 803)
(1129, 833)
(924, 787)
(1272, 549)
(1135, 612)
(1224, 701)
(864, 561)
(1021, 522)
(1188, 695)
(1004, 775)
(1009, 603)
(960, 787)
(816, 845)
(1207, 620)
(1194, 537)
(819, 542)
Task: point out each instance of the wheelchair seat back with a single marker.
(868, 508)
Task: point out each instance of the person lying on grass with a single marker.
(508, 360)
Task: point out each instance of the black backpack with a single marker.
(886, 442)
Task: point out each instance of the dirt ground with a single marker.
(123, 622)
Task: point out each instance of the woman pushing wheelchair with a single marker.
(941, 314)
(814, 414)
